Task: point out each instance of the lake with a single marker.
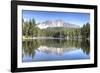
(34, 50)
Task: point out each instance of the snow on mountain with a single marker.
(56, 23)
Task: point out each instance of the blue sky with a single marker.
(70, 17)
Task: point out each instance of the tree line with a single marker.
(29, 29)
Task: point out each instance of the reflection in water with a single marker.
(56, 49)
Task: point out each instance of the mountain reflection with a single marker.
(56, 47)
(54, 50)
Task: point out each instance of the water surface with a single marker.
(55, 49)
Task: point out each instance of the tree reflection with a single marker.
(30, 46)
(85, 45)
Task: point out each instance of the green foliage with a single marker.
(85, 31)
(30, 30)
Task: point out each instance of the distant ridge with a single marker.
(56, 23)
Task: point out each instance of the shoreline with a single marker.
(33, 38)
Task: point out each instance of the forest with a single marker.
(29, 30)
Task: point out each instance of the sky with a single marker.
(68, 17)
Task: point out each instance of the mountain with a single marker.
(56, 23)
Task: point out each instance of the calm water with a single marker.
(55, 49)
